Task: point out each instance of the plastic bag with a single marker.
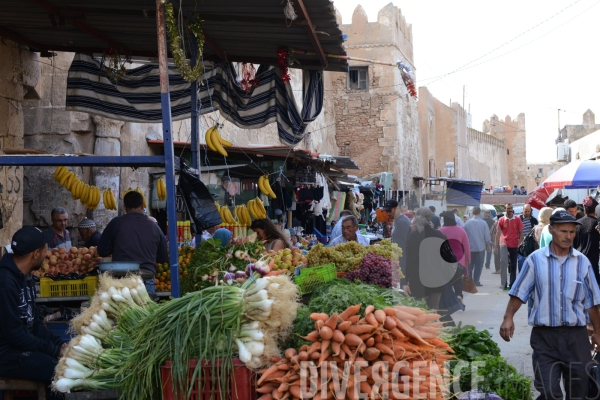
(199, 201)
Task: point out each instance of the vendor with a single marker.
(207, 234)
(58, 236)
(337, 228)
(350, 233)
(134, 237)
(267, 231)
(27, 349)
(87, 231)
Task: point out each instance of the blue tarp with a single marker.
(465, 193)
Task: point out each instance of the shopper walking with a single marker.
(545, 236)
(510, 234)
(544, 216)
(487, 217)
(496, 245)
(480, 241)
(587, 239)
(529, 222)
(559, 284)
(459, 243)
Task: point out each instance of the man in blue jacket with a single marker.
(27, 349)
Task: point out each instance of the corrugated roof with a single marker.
(243, 30)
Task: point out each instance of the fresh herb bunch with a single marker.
(499, 377)
(337, 295)
(469, 343)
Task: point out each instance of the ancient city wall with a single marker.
(513, 132)
(487, 158)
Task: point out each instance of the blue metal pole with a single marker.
(85, 161)
(165, 100)
(195, 115)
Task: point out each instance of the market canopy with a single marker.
(575, 175)
(235, 30)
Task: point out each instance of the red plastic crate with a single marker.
(241, 388)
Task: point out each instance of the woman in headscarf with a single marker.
(544, 217)
(267, 231)
(223, 235)
(459, 243)
(546, 237)
(587, 238)
(425, 278)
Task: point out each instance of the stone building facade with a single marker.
(447, 138)
(377, 122)
(513, 133)
(19, 75)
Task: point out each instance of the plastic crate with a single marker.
(242, 387)
(311, 278)
(68, 288)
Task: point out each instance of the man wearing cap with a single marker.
(87, 231)
(58, 236)
(350, 233)
(559, 283)
(133, 237)
(27, 349)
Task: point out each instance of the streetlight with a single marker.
(537, 179)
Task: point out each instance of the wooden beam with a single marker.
(44, 4)
(310, 31)
(5, 33)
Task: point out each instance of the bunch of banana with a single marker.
(109, 200)
(256, 208)
(137, 189)
(215, 142)
(226, 215)
(161, 189)
(265, 186)
(242, 215)
(127, 191)
(64, 177)
(90, 196)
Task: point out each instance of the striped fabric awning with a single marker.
(135, 97)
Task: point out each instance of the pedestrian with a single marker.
(459, 243)
(459, 220)
(487, 217)
(435, 220)
(496, 245)
(400, 234)
(571, 207)
(523, 191)
(510, 234)
(545, 237)
(480, 241)
(587, 239)
(465, 218)
(563, 294)
(529, 222)
(516, 190)
(544, 215)
(414, 284)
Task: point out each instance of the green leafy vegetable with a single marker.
(469, 343)
(498, 376)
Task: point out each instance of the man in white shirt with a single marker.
(207, 234)
(350, 233)
(337, 228)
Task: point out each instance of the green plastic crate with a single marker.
(311, 278)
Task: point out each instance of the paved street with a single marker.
(485, 310)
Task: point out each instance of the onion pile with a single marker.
(62, 262)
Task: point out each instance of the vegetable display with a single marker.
(62, 263)
(499, 377)
(395, 351)
(469, 343)
(374, 269)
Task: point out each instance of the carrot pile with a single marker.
(392, 353)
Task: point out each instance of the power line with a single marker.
(507, 42)
(513, 50)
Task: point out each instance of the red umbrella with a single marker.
(537, 198)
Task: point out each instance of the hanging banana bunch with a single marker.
(265, 186)
(215, 142)
(137, 189)
(256, 208)
(109, 200)
(161, 189)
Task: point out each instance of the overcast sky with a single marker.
(549, 67)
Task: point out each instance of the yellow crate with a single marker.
(70, 288)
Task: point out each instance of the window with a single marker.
(507, 152)
(358, 78)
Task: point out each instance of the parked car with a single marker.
(484, 207)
